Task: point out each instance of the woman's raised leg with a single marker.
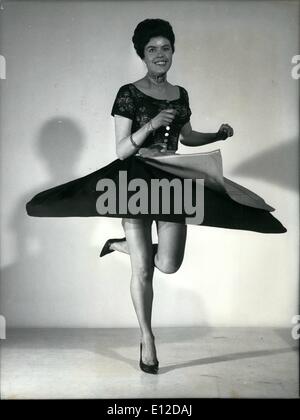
(170, 249)
(171, 246)
(139, 242)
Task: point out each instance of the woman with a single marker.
(150, 116)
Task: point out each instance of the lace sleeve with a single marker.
(187, 106)
(124, 104)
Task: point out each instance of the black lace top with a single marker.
(132, 103)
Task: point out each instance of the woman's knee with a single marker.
(142, 269)
(167, 265)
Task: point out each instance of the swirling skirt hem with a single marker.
(78, 198)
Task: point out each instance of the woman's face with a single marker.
(158, 55)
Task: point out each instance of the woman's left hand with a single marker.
(224, 132)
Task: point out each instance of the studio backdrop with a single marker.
(64, 63)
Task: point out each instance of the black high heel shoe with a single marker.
(106, 248)
(147, 368)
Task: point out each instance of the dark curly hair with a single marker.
(150, 28)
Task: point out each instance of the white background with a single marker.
(65, 63)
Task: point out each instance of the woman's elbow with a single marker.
(184, 141)
(120, 154)
(186, 137)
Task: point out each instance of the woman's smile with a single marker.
(158, 54)
(161, 62)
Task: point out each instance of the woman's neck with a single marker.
(157, 80)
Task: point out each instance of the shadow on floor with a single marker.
(110, 343)
(227, 357)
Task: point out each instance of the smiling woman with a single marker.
(151, 115)
(158, 55)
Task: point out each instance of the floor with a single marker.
(194, 363)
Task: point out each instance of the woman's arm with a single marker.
(128, 143)
(191, 137)
(124, 145)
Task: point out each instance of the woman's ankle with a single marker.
(120, 246)
(146, 337)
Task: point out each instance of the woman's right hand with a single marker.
(164, 118)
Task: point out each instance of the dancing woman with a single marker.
(151, 115)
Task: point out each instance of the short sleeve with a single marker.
(188, 111)
(124, 104)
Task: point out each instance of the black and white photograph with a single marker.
(149, 202)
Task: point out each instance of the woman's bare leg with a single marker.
(171, 246)
(139, 242)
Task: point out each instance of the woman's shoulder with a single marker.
(124, 103)
(140, 82)
(126, 88)
(183, 89)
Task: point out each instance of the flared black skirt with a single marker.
(105, 193)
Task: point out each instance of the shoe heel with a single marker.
(152, 369)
